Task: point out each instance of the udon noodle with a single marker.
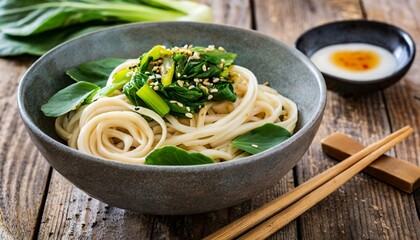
(115, 129)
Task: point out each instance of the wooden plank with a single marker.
(71, 214)
(23, 171)
(403, 99)
(364, 207)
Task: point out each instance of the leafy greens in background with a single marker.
(261, 138)
(34, 27)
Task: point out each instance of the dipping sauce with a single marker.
(355, 61)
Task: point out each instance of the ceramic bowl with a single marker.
(389, 37)
(173, 190)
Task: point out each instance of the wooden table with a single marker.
(37, 202)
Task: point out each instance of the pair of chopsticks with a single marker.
(289, 206)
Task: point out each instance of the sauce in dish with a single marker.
(355, 61)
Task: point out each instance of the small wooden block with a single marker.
(396, 172)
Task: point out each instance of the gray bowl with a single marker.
(172, 190)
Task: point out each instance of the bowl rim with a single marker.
(321, 86)
(401, 32)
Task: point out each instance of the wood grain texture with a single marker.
(23, 171)
(403, 99)
(364, 207)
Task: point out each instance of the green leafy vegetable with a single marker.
(170, 155)
(184, 79)
(68, 99)
(96, 72)
(153, 100)
(261, 138)
(130, 89)
(25, 25)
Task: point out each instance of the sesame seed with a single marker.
(159, 61)
(184, 75)
(188, 109)
(207, 83)
(155, 88)
(196, 80)
(191, 87)
(137, 108)
(215, 80)
(189, 115)
(179, 104)
(214, 90)
(173, 101)
(221, 49)
(196, 55)
(209, 97)
(254, 145)
(204, 68)
(178, 74)
(223, 60)
(146, 72)
(180, 83)
(155, 68)
(204, 89)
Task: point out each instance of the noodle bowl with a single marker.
(113, 128)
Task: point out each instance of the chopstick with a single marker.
(316, 189)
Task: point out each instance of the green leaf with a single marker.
(261, 138)
(68, 99)
(130, 89)
(224, 92)
(37, 44)
(105, 91)
(96, 72)
(170, 155)
(34, 27)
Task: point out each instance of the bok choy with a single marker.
(34, 27)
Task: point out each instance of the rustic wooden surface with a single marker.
(36, 202)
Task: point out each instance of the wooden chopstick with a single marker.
(248, 221)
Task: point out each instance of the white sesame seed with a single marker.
(254, 145)
(180, 83)
(221, 49)
(204, 68)
(155, 88)
(207, 83)
(214, 90)
(191, 87)
(188, 109)
(184, 75)
(210, 97)
(215, 80)
(173, 101)
(189, 115)
(178, 74)
(196, 80)
(179, 104)
(155, 68)
(204, 89)
(196, 55)
(223, 60)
